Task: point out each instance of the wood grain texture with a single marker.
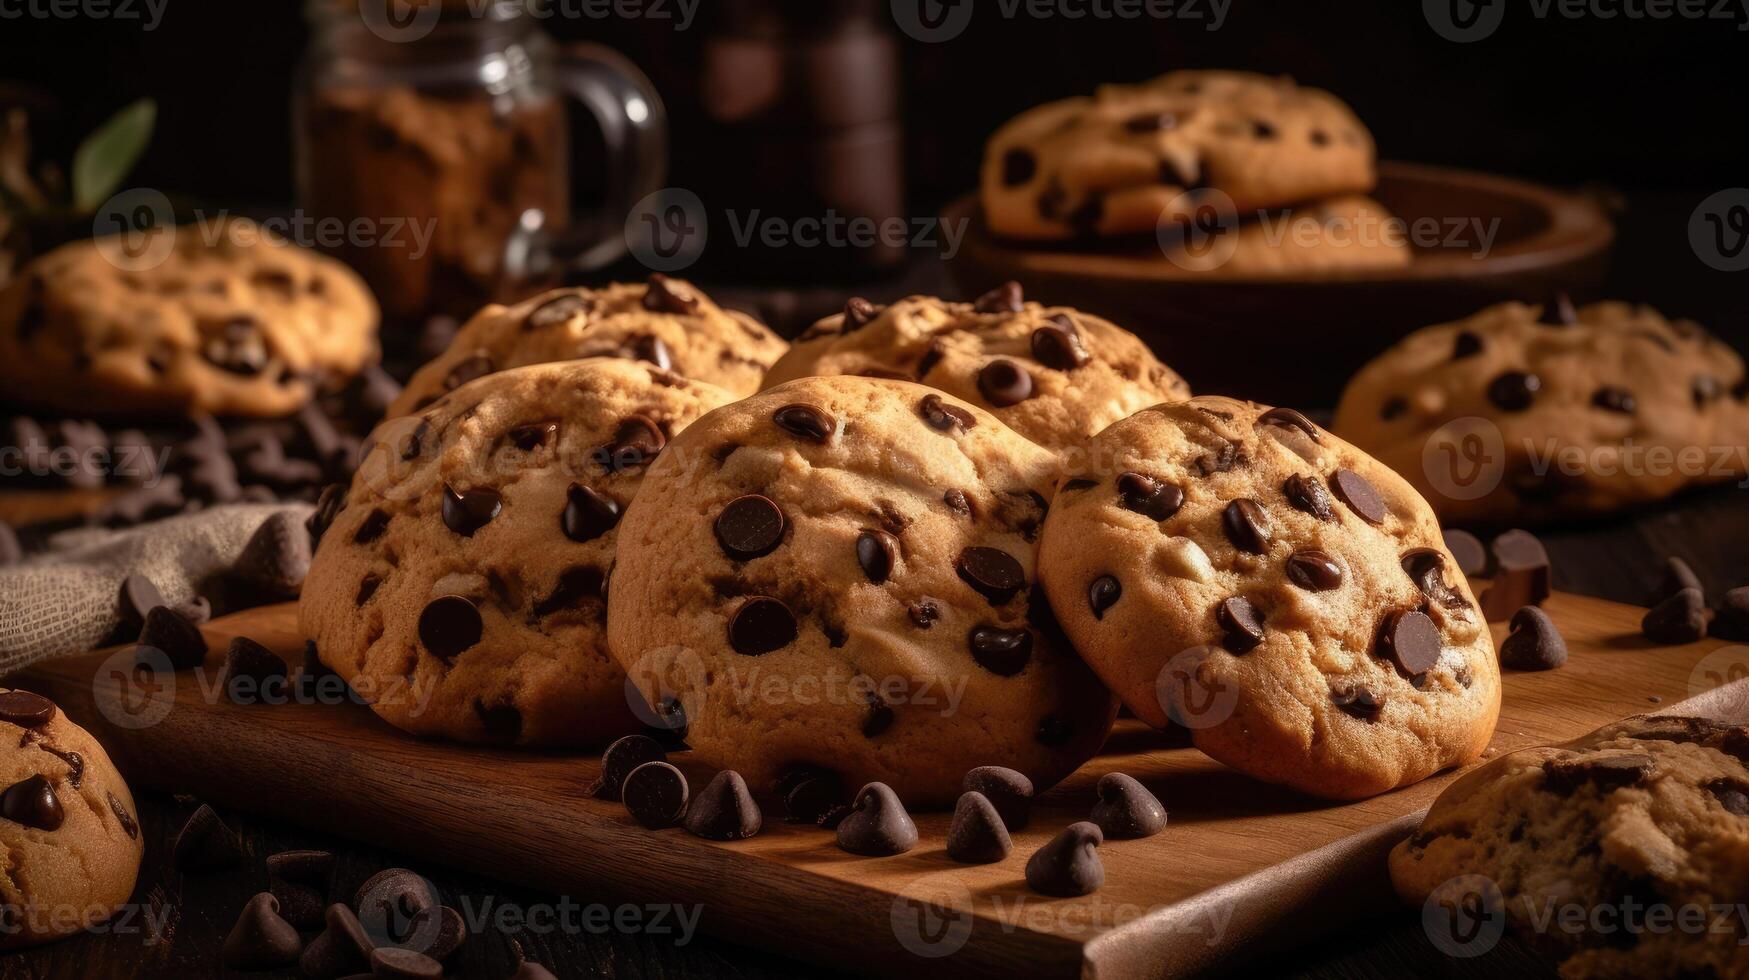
(1242, 867)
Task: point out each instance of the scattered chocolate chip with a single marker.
(468, 369)
(1467, 345)
(396, 963)
(877, 552)
(760, 625)
(1288, 418)
(1410, 639)
(1004, 652)
(625, 754)
(171, 634)
(636, 442)
(805, 422)
(1018, 167)
(261, 939)
(749, 527)
(249, 668)
(1564, 777)
(661, 297)
(977, 834)
(655, 794)
(1614, 399)
(1058, 344)
(372, 527)
(25, 709)
(1514, 391)
(450, 625)
(1069, 865)
(1004, 382)
(1006, 298)
(468, 511)
(923, 613)
(1314, 571)
(1732, 622)
(341, 949)
(1241, 624)
(1247, 526)
(205, 843)
(588, 513)
(1126, 810)
(1360, 495)
(1103, 593)
(1359, 702)
(451, 931)
(128, 824)
(725, 810)
(1521, 575)
(138, 597)
(1149, 497)
(1010, 792)
(1307, 494)
(1467, 549)
(1535, 643)
(32, 802)
(1682, 618)
(877, 824)
(995, 574)
(1677, 576)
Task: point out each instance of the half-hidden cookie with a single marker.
(836, 575)
(68, 823)
(1132, 156)
(1344, 233)
(225, 319)
(664, 322)
(1053, 374)
(1523, 413)
(1641, 826)
(461, 587)
(1240, 571)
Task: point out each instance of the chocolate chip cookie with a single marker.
(1053, 374)
(665, 322)
(1344, 233)
(229, 320)
(1240, 571)
(460, 586)
(1642, 826)
(68, 823)
(1528, 413)
(1132, 156)
(836, 576)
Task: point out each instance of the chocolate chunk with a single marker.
(1241, 624)
(528, 438)
(1103, 593)
(760, 625)
(307, 867)
(662, 297)
(1467, 549)
(468, 369)
(1359, 702)
(1732, 622)
(1564, 777)
(1219, 461)
(625, 754)
(1006, 298)
(858, 313)
(877, 824)
(977, 834)
(25, 709)
(1058, 345)
(451, 931)
(138, 597)
(1004, 652)
(1010, 792)
(877, 552)
(943, 416)
(1289, 419)
(636, 442)
(805, 422)
(238, 347)
(299, 904)
(205, 843)
(389, 904)
(932, 356)
(1247, 526)
(371, 528)
(1410, 640)
(396, 963)
(652, 351)
(1535, 643)
(449, 625)
(749, 527)
(1149, 497)
(171, 634)
(468, 511)
(1004, 382)
(1069, 865)
(1314, 571)
(1360, 495)
(1467, 345)
(1018, 167)
(128, 824)
(1732, 794)
(1521, 575)
(261, 939)
(725, 810)
(32, 802)
(1559, 312)
(328, 505)
(249, 669)
(341, 949)
(555, 311)
(276, 558)
(1151, 122)
(655, 794)
(588, 513)
(995, 574)
(1426, 568)
(1514, 391)
(1677, 576)
(923, 613)
(1307, 494)
(1126, 810)
(1682, 618)
(1611, 398)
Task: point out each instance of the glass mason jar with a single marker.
(433, 148)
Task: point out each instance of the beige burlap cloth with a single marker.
(65, 599)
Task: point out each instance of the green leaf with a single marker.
(104, 159)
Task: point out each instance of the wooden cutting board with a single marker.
(1242, 867)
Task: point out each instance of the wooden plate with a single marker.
(1242, 867)
(1295, 339)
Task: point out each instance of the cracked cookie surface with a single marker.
(837, 574)
(461, 587)
(1240, 571)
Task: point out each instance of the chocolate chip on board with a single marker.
(1682, 618)
(625, 754)
(171, 633)
(1126, 809)
(655, 794)
(389, 901)
(395, 963)
(724, 809)
(205, 843)
(1069, 865)
(977, 834)
(250, 669)
(299, 904)
(341, 949)
(1468, 550)
(1521, 575)
(1678, 575)
(1732, 621)
(877, 824)
(138, 597)
(276, 558)
(261, 938)
(1535, 643)
(1009, 791)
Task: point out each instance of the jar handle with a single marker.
(634, 131)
